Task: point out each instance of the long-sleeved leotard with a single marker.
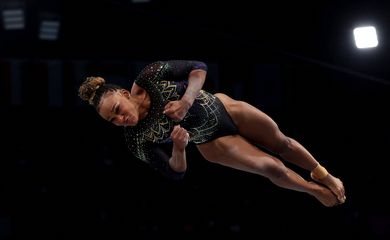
(206, 120)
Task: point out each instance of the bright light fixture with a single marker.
(365, 37)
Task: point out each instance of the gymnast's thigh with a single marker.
(237, 152)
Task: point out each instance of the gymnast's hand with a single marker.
(176, 109)
(179, 137)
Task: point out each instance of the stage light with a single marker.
(140, 1)
(13, 14)
(365, 37)
(49, 29)
(13, 19)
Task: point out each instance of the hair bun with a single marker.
(88, 89)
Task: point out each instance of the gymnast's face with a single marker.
(118, 108)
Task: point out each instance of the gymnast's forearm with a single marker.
(178, 161)
(195, 83)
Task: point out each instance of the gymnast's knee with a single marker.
(275, 171)
(285, 146)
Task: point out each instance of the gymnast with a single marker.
(166, 103)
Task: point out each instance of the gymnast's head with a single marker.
(112, 102)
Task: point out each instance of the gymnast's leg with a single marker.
(237, 152)
(256, 126)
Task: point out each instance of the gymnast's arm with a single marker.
(180, 137)
(195, 72)
(170, 167)
(175, 166)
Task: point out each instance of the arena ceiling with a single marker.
(264, 31)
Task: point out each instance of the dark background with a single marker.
(65, 173)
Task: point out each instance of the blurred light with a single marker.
(140, 1)
(13, 19)
(49, 29)
(365, 37)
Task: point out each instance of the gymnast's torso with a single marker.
(166, 81)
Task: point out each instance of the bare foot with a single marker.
(334, 184)
(324, 195)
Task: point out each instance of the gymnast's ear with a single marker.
(125, 93)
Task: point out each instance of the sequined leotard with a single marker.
(205, 121)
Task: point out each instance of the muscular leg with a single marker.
(260, 128)
(237, 152)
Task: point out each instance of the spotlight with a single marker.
(365, 37)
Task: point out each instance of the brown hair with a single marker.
(93, 89)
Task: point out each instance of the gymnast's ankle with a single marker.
(319, 172)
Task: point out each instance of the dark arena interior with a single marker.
(66, 173)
